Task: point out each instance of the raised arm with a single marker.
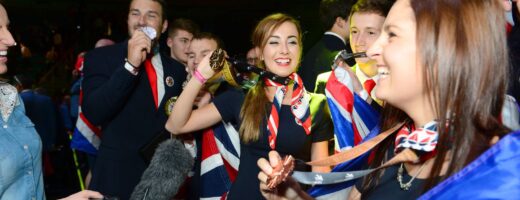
(110, 80)
(183, 118)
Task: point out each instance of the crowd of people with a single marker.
(443, 86)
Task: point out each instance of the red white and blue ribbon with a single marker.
(421, 139)
(299, 107)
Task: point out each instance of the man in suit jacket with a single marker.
(334, 17)
(126, 87)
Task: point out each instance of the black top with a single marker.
(388, 187)
(291, 139)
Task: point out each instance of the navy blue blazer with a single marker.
(123, 105)
(319, 59)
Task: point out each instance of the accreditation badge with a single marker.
(168, 107)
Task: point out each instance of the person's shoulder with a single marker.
(169, 61)
(231, 94)
(317, 47)
(234, 91)
(323, 76)
(107, 50)
(317, 98)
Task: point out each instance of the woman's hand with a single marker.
(289, 189)
(84, 195)
(204, 67)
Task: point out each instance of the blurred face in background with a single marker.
(197, 50)
(179, 42)
(251, 56)
(365, 28)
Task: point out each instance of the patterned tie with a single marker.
(369, 85)
(299, 107)
(152, 77)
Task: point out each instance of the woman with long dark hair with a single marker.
(442, 67)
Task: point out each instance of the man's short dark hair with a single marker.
(332, 9)
(209, 36)
(380, 7)
(182, 24)
(164, 7)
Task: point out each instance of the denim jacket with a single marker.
(20, 150)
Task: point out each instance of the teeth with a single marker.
(3, 53)
(383, 71)
(282, 61)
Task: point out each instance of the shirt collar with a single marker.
(337, 35)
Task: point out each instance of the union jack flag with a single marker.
(86, 136)
(220, 160)
(354, 121)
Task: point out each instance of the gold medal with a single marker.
(217, 60)
(168, 107)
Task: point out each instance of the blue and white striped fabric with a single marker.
(220, 160)
(86, 136)
(354, 121)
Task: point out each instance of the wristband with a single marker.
(131, 68)
(199, 77)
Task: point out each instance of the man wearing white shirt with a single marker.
(334, 17)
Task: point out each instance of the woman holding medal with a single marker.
(271, 116)
(443, 77)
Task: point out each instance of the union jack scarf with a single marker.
(299, 107)
(422, 139)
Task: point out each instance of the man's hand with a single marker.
(138, 47)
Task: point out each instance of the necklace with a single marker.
(406, 186)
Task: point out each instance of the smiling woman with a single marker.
(270, 115)
(20, 146)
(444, 86)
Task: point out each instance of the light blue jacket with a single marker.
(20, 151)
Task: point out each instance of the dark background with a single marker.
(56, 31)
(82, 22)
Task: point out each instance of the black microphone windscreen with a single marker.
(168, 170)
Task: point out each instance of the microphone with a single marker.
(168, 170)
